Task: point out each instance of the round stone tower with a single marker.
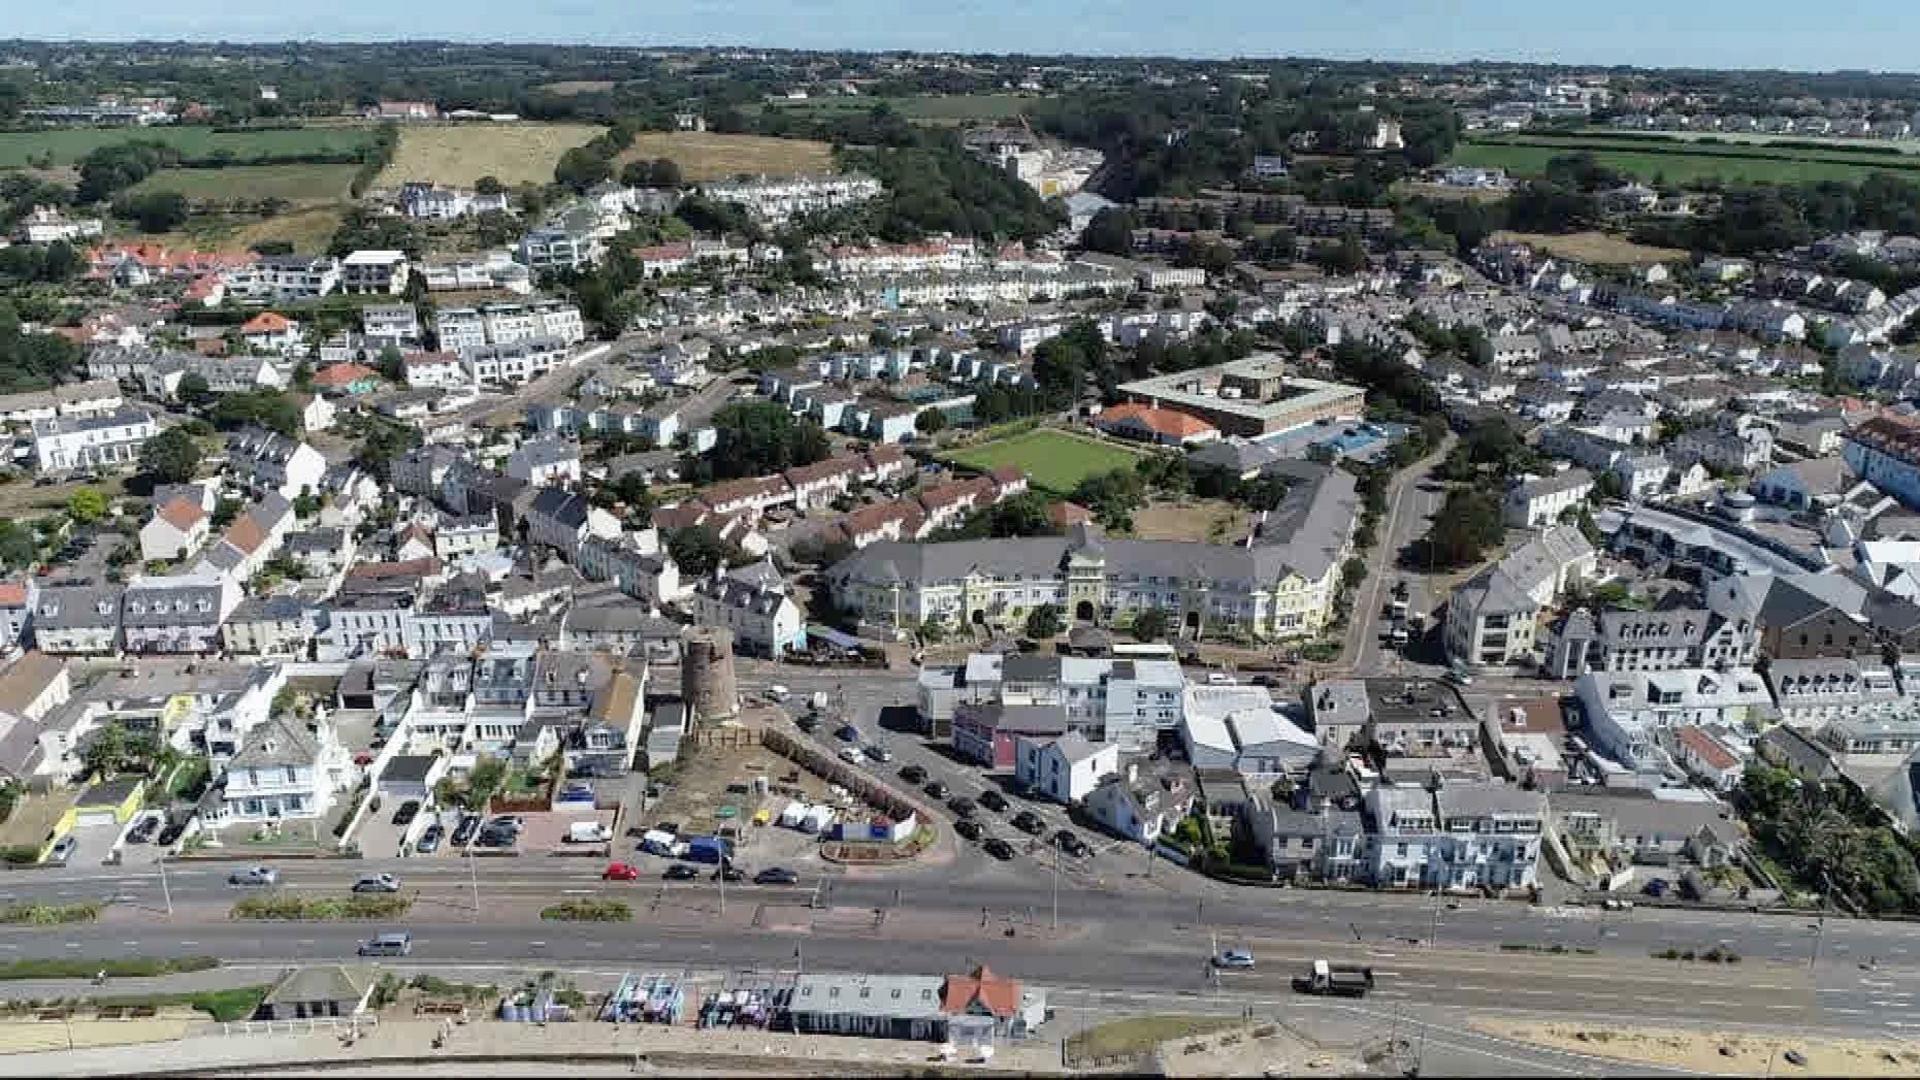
(706, 675)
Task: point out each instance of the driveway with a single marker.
(95, 843)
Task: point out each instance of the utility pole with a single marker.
(473, 879)
(166, 891)
(1056, 886)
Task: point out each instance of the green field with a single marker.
(297, 184)
(1052, 459)
(19, 149)
(1679, 162)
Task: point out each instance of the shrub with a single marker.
(51, 914)
(321, 907)
(588, 911)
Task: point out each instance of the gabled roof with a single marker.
(997, 994)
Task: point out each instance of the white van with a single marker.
(400, 944)
(588, 832)
(779, 694)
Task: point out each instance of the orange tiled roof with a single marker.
(1168, 422)
(182, 514)
(267, 322)
(1000, 995)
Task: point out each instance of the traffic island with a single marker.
(321, 908)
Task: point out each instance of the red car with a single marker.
(621, 872)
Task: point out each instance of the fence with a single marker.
(307, 1026)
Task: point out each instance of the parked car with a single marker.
(1029, 822)
(913, 774)
(172, 832)
(620, 871)
(848, 733)
(852, 755)
(681, 872)
(464, 830)
(961, 806)
(993, 801)
(62, 851)
(776, 875)
(385, 883)
(407, 812)
(1219, 678)
(1656, 888)
(144, 829)
(879, 753)
(254, 875)
(936, 790)
(969, 828)
(1071, 844)
(808, 724)
(729, 872)
(1236, 959)
(999, 849)
(430, 840)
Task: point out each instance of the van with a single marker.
(588, 832)
(388, 945)
(778, 693)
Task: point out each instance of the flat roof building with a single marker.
(1254, 396)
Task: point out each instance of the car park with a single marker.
(913, 774)
(380, 883)
(620, 871)
(993, 801)
(681, 872)
(776, 875)
(1029, 822)
(430, 840)
(254, 876)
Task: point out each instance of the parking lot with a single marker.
(93, 843)
(380, 838)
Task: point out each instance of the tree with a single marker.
(488, 185)
(153, 211)
(1044, 622)
(1150, 625)
(930, 422)
(391, 365)
(699, 550)
(193, 390)
(171, 457)
(1110, 231)
(755, 438)
(1347, 256)
(269, 409)
(86, 505)
(1468, 524)
(106, 754)
(17, 544)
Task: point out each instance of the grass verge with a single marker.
(50, 914)
(125, 967)
(321, 908)
(588, 911)
(1140, 1034)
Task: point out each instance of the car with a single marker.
(254, 875)
(681, 872)
(377, 883)
(879, 753)
(620, 871)
(172, 832)
(777, 693)
(993, 801)
(936, 790)
(1070, 844)
(1234, 959)
(969, 828)
(407, 812)
(776, 875)
(729, 872)
(999, 849)
(144, 829)
(1458, 677)
(1029, 822)
(807, 724)
(1614, 903)
(463, 832)
(671, 828)
(1219, 678)
(387, 945)
(496, 838)
(1656, 888)
(961, 806)
(62, 851)
(913, 774)
(430, 840)
(848, 733)
(852, 755)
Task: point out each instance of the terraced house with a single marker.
(1281, 585)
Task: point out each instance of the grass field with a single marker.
(302, 185)
(705, 155)
(576, 86)
(1527, 155)
(1052, 459)
(463, 153)
(1598, 248)
(68, 145)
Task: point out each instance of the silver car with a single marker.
(386, 883)
(254, 875)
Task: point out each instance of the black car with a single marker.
(936, 789)
(407, 812)
(144, 830)
(681, 872)
(430, 840)
(463, 832)
(776, 875)
(969, 828)
(172, 832)
(913, 774)
(1070, 844)
(1029, 822)
(848, 733)
(729, 873)
(492, 836)
(961, 806)
(807, 724)
(999, 849)
(993, 801)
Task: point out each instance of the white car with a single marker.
(377, 883)
(1219, 678)
(777, 693)
(1236, 959)
(852, 755)
(254, 875)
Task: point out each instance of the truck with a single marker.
(1335, 980)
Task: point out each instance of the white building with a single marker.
(375, 273)
(1237, 728)
(430, 202)
(1626, 711)
(107, 440)
(1539, 502)
(285, 773)
(1464, 836)
(267, 461)
(1066, 769)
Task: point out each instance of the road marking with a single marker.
(1848, 1012)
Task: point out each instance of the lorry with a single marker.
(1335, 980)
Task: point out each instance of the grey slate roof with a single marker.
(74, 607)
(279, 741)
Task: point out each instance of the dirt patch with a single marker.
(1212, 521)
(463, 153)
(712, 156)
(1598, 248)
(1140, 1034)
(712, 786)
(1703, 1051)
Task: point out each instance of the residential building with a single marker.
(1492, 618)
(762, 615)
(1137, 809)
(266, 461)
(1463, 836)
(1627, 712)
(268, 626)
(1324, 844)
(178, 614)
(1238, 728)
(77, 620)
(545, 462)
(105, 441)
(1815, 691)
(285, 771)
(1721, 630)
(1885, 452)
(1535, 503)
(1064, 769)
(178, 526)
(430, 202)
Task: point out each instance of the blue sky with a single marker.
(1855, 34)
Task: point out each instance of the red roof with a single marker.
(1166, 423)
(267, 322)
(998, 995)
(13, 593)
(1064, 514)
(425, 567)
(429, 359)
(336, 375)
(182, 514)
(1707, 748)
